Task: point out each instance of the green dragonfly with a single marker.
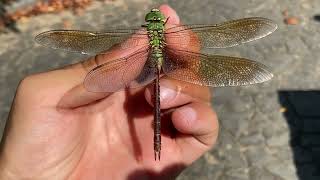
(173, 51)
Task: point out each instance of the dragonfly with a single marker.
(157, 50)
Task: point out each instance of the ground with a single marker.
(269, 131)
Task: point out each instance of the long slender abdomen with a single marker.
(157, 116)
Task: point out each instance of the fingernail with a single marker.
(167, 94)
(188, 113)
(169, 12)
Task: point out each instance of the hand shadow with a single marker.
(170, 172)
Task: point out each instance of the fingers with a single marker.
(197, 119)
(198, 129)
(79, 96)
(170, 13)
(192, 116)
(46, 89)
(175, 93)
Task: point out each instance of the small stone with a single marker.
(67, 24)
(283, 169)
(79, 11)
(291, 21)
(282, 109)
(237, 173)
(279, 140)
(285, 13)
(24, 19)
(229, 146)
(210, 159)
(261, 174)
(252, 139)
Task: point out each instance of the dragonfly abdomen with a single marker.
(157, 44)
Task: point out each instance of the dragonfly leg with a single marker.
(167, 20)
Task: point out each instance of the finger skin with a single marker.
(198, 129)
(175, 93)
(170, 13)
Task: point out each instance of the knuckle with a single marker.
(27, 86)
(25, 82)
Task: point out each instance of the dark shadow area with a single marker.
(317, 17)
(137, 107)
(302, 112)
(170, 172)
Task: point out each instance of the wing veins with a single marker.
(228, 34)
(254, 72)
(120, 65)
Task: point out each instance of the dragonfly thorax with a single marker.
(155, 27)
(156, 40)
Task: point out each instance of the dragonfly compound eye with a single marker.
(154, 16)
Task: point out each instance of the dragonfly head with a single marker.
(155, 15)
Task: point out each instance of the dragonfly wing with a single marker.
(87, 42)
(131, 71)
(223, 35)
(213, 70)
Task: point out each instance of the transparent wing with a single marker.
(87, 42)
(223, 35)
(133, 71)
(213, 70)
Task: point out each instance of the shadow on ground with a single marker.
(317, 17)
(170, 172)
(302, 112)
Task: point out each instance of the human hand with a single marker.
(58, 130)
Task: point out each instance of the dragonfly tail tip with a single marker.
(156, 155)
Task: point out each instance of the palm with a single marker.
(110, 135)
(120, 137)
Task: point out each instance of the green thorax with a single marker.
(155, 27)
